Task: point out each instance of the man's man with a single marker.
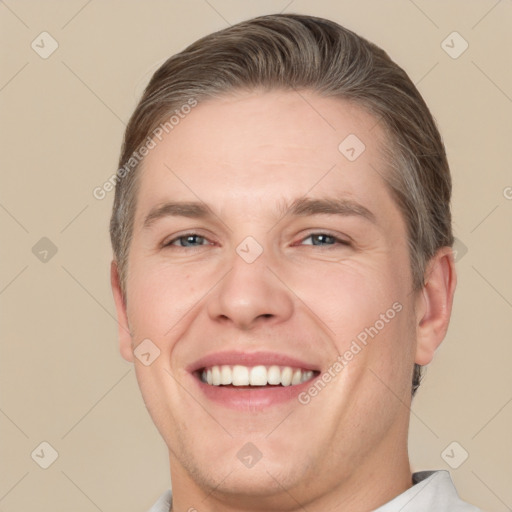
(283, 268)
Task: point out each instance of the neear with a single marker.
(125, 339)
(434, 305)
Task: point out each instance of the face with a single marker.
(269, 269)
